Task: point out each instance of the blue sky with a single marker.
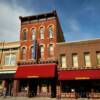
(80, 19)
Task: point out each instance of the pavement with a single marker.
(41, 98)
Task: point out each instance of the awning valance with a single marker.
(79, 74)
(36, 71)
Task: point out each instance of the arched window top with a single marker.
(50, 29)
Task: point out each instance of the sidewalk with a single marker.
(41, 98)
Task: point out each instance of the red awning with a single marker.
(36, 71)
(79, 74)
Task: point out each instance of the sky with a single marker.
(80, 19)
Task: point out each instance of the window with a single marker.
(87, 59)
(98, 58)
(63, 61)
(51, 50)
(23, 53)
(33, 33)
(25, 34)
(75, 60)
(50, 31)
(10, 59)
(42, 33)
(41, 51)
(32, 52)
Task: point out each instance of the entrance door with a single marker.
(32, 87)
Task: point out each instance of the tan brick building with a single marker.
(9, 55)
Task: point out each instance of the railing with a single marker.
(79, 68)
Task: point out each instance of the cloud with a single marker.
(9, 21)
(73, 25)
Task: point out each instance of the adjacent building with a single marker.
(9, 55)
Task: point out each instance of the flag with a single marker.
(35, 50)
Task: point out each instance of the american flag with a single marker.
(35, 50)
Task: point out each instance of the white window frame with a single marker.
(75, 60)
(87, 59)
(63, 61)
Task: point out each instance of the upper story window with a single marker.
(33, 33)
(87, 59)
(32, 52)
(10, 59)
(63, 61)
(98, 58)
(75, 60)
(51, 50)
(51, 31)
(25, 32)
(23, 53)
(42, 32)
(41, 51)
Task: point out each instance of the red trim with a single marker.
(79, 74)
(36, 71)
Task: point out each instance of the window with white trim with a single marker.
(23, 53)
(87, 59)
(42, 32)
(10, 59)
(75, 60)
(50, 31)
(51, 50)
(33, 33)
(32, 52)
(25, 32)
(63, 61)
(98, 58)
(41, 51)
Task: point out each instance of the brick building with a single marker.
(49, 66)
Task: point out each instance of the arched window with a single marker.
(33, 33)
(23, 53)
(51, 50)
(32, 52)
(50, 31)
(42, 32)
(41, 51)
(25, 34)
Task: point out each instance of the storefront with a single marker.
(80, 83)
(6, 81)
(36, 80)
